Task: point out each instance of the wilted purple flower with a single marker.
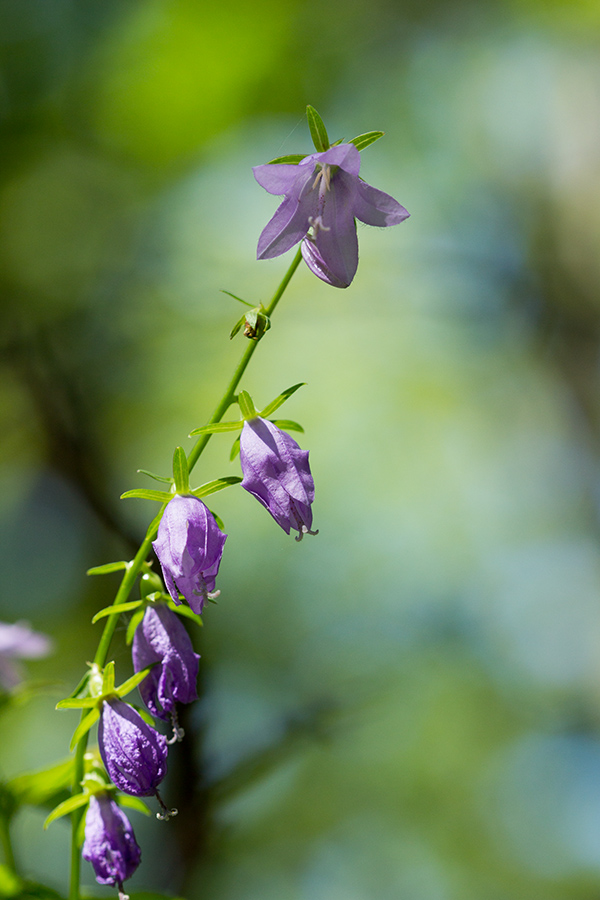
(134, 754)
(19, 641)
(189, 547)
(276, 471)
(162, 638)
(110, 843)
(323, 193)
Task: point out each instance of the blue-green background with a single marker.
(410, 701)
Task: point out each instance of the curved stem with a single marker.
(134, 567)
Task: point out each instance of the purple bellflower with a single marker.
(189, 547)
(110, 843)
(134, 754)
(19, 641)
(162, 638)
(323, 193)
(277, 473)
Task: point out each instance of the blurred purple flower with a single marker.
(19, 641)
(277, 473)
(323, 193)
(189, 547)
(110, 843)
(134, 754)
(162, 638)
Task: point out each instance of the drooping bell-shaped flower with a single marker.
(161, 638)
(324, 196)
(18, 641)
(277, 473)
(134, 754)
(189, 547)
(110, 843)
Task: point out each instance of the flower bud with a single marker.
(134, 754)
(110, 843)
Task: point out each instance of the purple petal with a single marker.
(317, 265)
(374, 207)
(134, 754)
(19, 640)
(346, 156)
(336, 242)
(276, 179)
(290, 222)
(110, 843)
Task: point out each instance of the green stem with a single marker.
(9, 856)
(134, 567)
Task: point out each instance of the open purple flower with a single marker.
(134, 754)
(323, 193)
(189, 547)
(18, 641)
(110, 843)
(162, 638)
(277, 473)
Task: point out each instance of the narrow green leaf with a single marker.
(318, 132)
(180, 471)
(287, 425)
(77, 703)
(144, 714)
(116, 610)
(107, 568)
(108, 678)
(82, 684)
(133, 803)
(131, 683)
(363, 140)
(211, 487)
(66, 807)
(145, 494)
(185, 612)
(162, 478)
(278, 401)
(133, 624)
(217, 519)
(37, 788)
(153, 526)
(291, 159)
(246, 405)
(235, 449)
(217, 428)
(235, 297)
(84, 726)
(236, 327)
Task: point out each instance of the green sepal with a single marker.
(257, 323)
(153, 526)
(131, 683)
(108, 678)
(162, 478)
(81, 686)
(218, 520)
(318, 132)
(217, 428)
(278, 401)
(363, 140)
(144, 714)
(84, 726)
(246, 405)
(77, 703)
(235, 297)
(292, 159)
(66, 807)
(211, 487)
(107, 568)
(180, 471)
(145, 494)
(37, 788)
(235, 449)
(236, 327)
(185, 612)
(287, 425)
(116, 610)
(133, 803)
(133, 624)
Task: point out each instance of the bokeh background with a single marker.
(408, 705)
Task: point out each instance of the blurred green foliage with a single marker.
(408, 704)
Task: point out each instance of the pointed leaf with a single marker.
(107, 568)
(144, 714)
(363, 140)
(278, 401)
(145, 494)
(287, 425)
(180, 471)
(116, 610)
(235, 449)
(82, 684)
(133, 624)
(162, 478)
(185, 612)
(133, 803)
(318, 132)
(235, 297)
(246, 405)
(217, 519)
(291, 159)
(108, 678)
(66, 807)
(218, 427)
(84, 726)
(236, 327)
(211, 487)
(131, 683)
(77, 703)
